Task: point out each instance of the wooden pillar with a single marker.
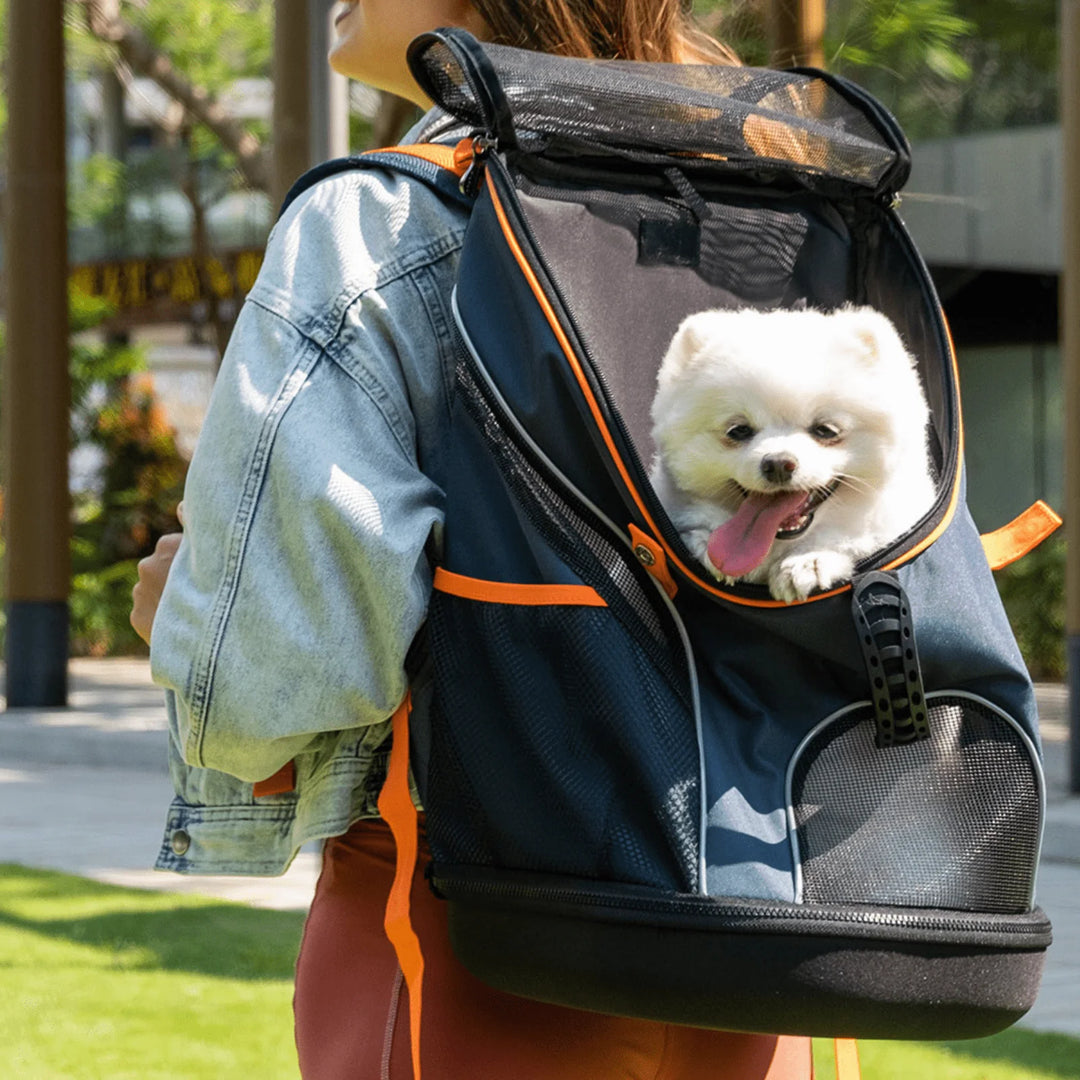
(797, 33)
(292, 96)
(36, 388)
(1070, 355)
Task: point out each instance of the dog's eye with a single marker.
(825, 432)
(740, 433)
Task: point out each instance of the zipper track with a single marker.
(723, 910)
(629, 450)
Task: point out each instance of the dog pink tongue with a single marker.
(740, 544)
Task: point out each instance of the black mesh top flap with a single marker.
(727, 116)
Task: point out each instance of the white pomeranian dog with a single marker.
(790, 444)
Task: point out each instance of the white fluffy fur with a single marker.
(783, 374)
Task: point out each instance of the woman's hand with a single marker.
(153, 571)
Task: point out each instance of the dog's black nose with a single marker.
(778, 468)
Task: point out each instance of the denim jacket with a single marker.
(311, 500)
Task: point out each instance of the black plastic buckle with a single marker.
(882, 617)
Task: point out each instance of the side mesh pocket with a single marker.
(557, 748)
(952, 821)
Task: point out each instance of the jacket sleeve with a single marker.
(302, 578)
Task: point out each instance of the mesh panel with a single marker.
(948, 822)
(595, 772)
(749, 250)
(735, 114)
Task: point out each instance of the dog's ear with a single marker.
(873, 334)
(688, 341)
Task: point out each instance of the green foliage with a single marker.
(1033, 591)
(943, 67)
(100, 607)
(141, 481)
(212, 42)
(96, 190)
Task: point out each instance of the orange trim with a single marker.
(505, 592)
(658, 566)
(398, 811)
(1021, 535)
(451, 158)
(281, 783)
(594, 408)
(846, 1053)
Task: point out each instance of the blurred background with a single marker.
(179, 142)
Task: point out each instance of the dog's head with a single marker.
(786, 412)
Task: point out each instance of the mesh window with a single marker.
(952, 821)
(732, 114)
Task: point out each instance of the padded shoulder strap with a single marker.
(436, 164)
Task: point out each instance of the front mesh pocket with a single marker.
(952, 821)
(557, 748)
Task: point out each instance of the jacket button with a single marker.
(179, 842)
(645, 555)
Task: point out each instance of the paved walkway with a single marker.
(85, 789)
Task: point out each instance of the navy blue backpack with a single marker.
(648, 793)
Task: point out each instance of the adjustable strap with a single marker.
(438, 165)
(846, 1053)
(397, 810)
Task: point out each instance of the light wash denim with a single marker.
(312, 497)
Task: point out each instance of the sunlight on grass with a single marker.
(99, 981)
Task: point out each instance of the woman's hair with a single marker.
(661, 30)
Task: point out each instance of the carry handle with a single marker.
(882, 615)
(490, 105)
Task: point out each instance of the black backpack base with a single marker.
(752, 965)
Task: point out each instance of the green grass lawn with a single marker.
(98, 982)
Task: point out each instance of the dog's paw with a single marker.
(797, 576)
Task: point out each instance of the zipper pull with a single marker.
(473, 177)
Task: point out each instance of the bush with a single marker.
(1033, 591)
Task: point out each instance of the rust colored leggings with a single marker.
(352, 1008)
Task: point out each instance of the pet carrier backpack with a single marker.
(648, 793)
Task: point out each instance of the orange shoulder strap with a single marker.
(455, 159)
(1021, 535)
(397, 810)
(846, 1052)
